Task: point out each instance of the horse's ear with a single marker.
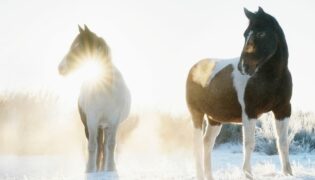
(260, 10)
(80, 29)
(249, 14)
(86, 28)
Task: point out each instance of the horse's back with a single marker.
(211, 90)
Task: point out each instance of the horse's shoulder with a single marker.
(204, 70)
(201, 71)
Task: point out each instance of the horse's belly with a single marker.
(103, 107)
(222, 100)
(224, 112)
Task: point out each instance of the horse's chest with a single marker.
(97, 103)
(260, 97)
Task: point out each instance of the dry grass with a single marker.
(175, 132)
(40, 124)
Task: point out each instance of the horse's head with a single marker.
(261, 41)
(86, 47)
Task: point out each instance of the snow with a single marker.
(227, 163)
(48, 143)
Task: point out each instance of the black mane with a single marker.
(266, 20)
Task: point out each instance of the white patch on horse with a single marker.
(281, 127)
(202, 71)
(209, 139)
(249, 48)
(198, 152)
(248, 37)
(239, 82)
(207, 69)
(219, 65)
(248, 143)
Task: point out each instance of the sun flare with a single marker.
(90, 70)
(91, 73)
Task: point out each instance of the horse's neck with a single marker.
(277, 65)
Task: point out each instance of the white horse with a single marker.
(240, 90)
(104, 100)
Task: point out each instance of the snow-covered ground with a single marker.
(41, 139)
(227, 162)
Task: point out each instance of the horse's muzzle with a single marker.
(247, 68)
(62, 70)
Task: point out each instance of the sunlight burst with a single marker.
(90, 73)
(90, 70)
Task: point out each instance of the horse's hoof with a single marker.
(105, 175)
(200, 177)
(210, 177)
(287, 171)
(248, 174)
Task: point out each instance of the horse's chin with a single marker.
(251, 72)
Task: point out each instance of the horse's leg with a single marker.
(100, 149)
(211, 134)
(248, 144)
(282, 115)
(197, 119)
(92, 148)
(83, 119)
(109, 149)
(283, 145)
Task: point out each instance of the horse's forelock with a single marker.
(261, 18)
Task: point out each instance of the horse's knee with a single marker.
(211, 134)
(283, 144)
(282, 133)
(249, 143)
(249, 133)
(111, 144)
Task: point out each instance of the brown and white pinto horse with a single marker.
(104, 101)
(240, 90)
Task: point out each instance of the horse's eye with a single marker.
(261, 34)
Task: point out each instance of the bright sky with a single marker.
(154, 43)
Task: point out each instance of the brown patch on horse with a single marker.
(218, 99)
